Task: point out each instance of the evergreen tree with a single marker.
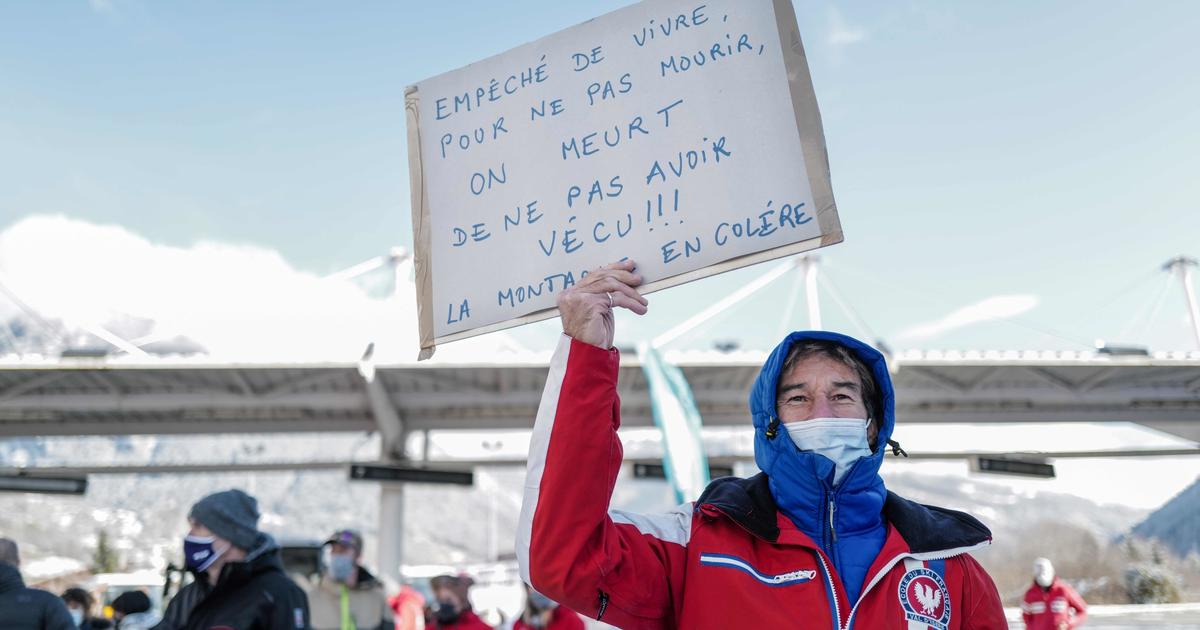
(104, 560)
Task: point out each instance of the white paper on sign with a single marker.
(683, 135)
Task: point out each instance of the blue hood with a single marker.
(847, 522)
(763, 398)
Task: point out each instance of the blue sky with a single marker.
(1043, 151)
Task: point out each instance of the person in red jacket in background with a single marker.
(543, 613)
(408, 607)
(1050, 603)
(452, 608)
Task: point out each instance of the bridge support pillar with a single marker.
(391, 529)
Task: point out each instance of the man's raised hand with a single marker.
(587, 307)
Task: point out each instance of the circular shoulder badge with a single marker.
(925, 599)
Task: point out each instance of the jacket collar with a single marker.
(264, 557)
(924, 529)
(10, 578)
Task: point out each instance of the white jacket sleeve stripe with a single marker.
(674, 526)
(539, 445)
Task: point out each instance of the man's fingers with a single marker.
(632, 278)
(615, 287)
(604, 277)
(627, 265)
(625, 301)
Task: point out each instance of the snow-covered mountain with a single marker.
(1176, 524)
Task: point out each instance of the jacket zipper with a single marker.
(832, 530)
(603, 605)
(837, 610)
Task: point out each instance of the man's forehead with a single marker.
(820, 368)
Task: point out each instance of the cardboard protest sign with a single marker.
(682, 135)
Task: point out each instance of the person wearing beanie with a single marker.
(347, 596)
(452, 607)
(239, 578)
(131, 611)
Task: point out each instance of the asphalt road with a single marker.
(1178, 617)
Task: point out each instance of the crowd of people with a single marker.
(238, 581)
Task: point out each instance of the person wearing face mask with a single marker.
(24, 608)
(79, 605)
(239, 579)
(452, 604)
(543, 613)
(815, 540)
(1050, 603)
(347, 596)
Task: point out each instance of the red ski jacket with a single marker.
(729, 560)
(1056, 608)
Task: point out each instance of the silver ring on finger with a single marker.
(610, 299)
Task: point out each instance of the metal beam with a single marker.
(1053, 379)
(308, 380)
(181, 426)
(1097, 379)
(944, 381)
(459, 464)
(173, 469)
(239, 379)
(32, 383)
(166, 401)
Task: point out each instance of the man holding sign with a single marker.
(813, 541)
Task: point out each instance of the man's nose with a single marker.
(822, 409)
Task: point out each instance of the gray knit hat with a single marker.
(232, 515)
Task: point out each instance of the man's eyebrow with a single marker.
(851, 385)
(791, 386)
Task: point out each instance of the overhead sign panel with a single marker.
(682, 135)
(411, 474)
(43, 485)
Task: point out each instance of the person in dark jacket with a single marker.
(23, 608)
(240, 582)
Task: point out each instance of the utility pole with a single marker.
(1182, 266)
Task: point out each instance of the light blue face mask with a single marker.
(842, 440)
(341, 567)
(541, 602)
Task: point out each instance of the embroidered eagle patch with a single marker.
(925, 599)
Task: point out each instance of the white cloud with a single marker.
(842, 33)
(240, 302)
(989, 309)
(102, 6)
